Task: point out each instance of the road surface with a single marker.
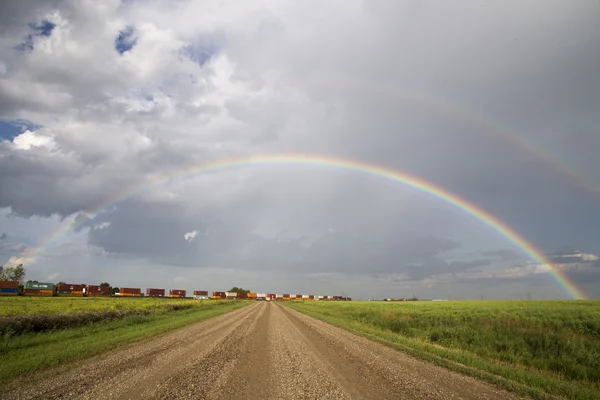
(263, 351)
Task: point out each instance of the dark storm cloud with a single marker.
(435, 266)
(503, 254)
(10, 247)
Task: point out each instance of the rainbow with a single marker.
(416, 183)
(485, 123)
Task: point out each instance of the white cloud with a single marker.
(28, 139)
(190, 235)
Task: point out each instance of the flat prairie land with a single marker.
(537, 348)
(28, 305)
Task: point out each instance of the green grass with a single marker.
(537, 348)
(31, 352)
(26, 305)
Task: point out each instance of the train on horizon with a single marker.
(35, 288)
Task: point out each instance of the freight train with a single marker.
(35, 288)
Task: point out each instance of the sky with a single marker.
(493, 102)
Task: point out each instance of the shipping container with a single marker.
(271, 296)
(219, 295)
(177, 293)
(305, 297)
(200, 293)
(39, 286)
(243, 296)
(67, 286)
(231, 295)
(262, 295)
(97, 290)
(286, 297)
(9, 284)
(154, 292)
(6, 291)
(38, 292)
(279, 297)
(130, 292)
(252, 296)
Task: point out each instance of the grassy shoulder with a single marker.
(32, 352)
(536, 348)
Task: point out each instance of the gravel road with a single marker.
(263, 351)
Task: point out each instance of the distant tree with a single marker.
(114, 290)
(16, 273)
(105, 284)
(61, 283)
(238, 290)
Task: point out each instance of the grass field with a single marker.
(20, 305)
(29, 352)
(537, 348)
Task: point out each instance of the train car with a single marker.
(271, 296)
(261, 296)
(177, 293)
(218, 295)
(130, 292)
(97, 290)
(251, 296)
(320, 298)
(278, 297)
(243, 296)
(9, 288)
(153, 292)
(68, 289)
(286, 297)
(311, 297)
(36, 288)
(305, 297)
(298, 297)
(231, 295)
(201, 295)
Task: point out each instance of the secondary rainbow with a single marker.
(326, 161)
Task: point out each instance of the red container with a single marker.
(155, 292)
(242, 295)
(271, 296)
(70, 287)
(9, 284)
(299, 296)
(200, 292)
(311, 296)
(220, 294)
(97, 290)
(177, 293)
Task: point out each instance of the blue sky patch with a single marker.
(9, 129)
(43, 29)
(200, 53)
(125, 40)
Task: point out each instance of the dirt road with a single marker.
(263, 351)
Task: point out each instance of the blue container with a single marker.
(9, 290)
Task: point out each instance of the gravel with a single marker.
(263, 351)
